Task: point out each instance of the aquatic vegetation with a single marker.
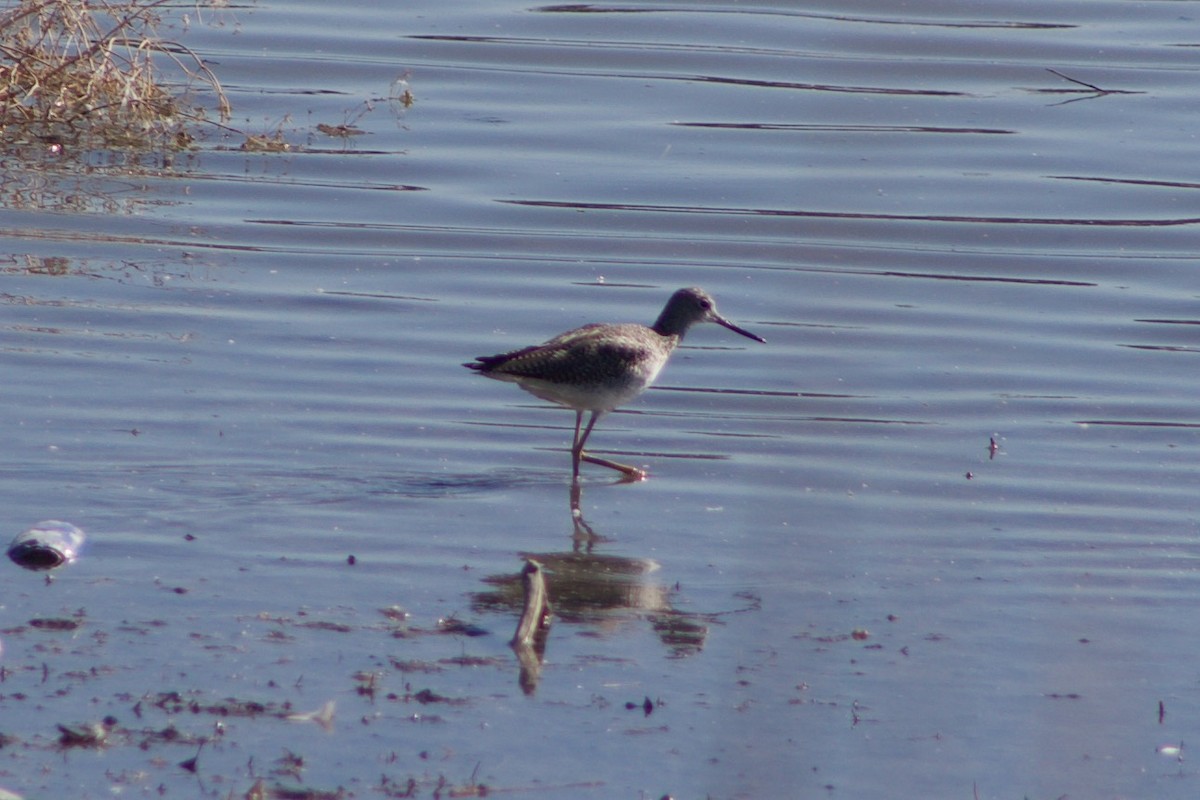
(97, 74)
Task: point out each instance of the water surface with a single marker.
(954, 225)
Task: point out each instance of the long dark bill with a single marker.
(727, 324)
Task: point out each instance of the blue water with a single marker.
(237, 370)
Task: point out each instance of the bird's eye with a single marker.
(704, 304)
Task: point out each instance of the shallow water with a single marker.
(237, 370)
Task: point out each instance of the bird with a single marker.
(598, 367)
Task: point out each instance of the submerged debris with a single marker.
(56, 623)
(454, 625)
(175, 703)
(342, 131)
(93, 734)
(323, 716)
(281, 792)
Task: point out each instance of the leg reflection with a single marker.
(584, 536)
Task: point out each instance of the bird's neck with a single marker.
(666, 326)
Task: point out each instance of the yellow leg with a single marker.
(577, 454)
(632, 473)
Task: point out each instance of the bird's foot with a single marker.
(631, 473)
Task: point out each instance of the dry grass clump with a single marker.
(94, 73)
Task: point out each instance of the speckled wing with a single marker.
(593, 367)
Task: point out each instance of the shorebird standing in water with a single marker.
(599, 367)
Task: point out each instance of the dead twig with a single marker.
(1089, 89)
